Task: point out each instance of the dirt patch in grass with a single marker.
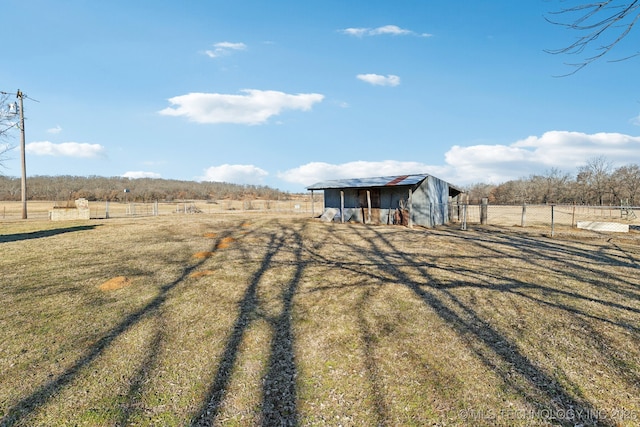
(203, 254)
(202, 273)
(210, 235)
(225, 242)
(115, 283)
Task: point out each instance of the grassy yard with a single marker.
(254, 319)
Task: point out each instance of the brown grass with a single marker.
(298, 322)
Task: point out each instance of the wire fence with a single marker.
(43, 210)
(552, 217)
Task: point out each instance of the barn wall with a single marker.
(390, 200)
(430, 203)
(351, 203)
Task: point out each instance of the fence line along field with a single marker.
(253, 319)
(99, 209)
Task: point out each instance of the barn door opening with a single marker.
(369, 201)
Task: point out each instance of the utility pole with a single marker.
(13, 111)
(23, 187)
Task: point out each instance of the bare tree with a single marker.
(601, 25)
(550, 187)
(596, 178)
(478, 191)
(627, 181)
(8, 123)
(512, 192)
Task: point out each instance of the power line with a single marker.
(24, 95)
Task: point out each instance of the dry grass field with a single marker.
(246, 319)
(10, 211)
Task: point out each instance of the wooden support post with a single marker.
(313, 214)
(368, 207)
(483, 210)
(341, 206)
(410, 222)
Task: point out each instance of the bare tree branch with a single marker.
(608, 20)
(7, 124)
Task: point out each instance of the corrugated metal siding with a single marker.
(430, 203)
(430, 198)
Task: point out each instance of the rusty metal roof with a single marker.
(381, 181)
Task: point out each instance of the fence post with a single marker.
(106, 210)
(483, 210)
(464, 217)
(552, 222)
(313, 213)
(523, 220)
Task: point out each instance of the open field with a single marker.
(39, 209)
(248, 319)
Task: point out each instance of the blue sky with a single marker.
(288, 93)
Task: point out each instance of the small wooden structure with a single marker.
(404, 200)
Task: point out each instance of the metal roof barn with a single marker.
(404, 199)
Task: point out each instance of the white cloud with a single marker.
(563, 150)
(224, 48)
(55, 130)
(635, 120)
(237, 174)
(65, 149)
(390, 29)
(357, 32)
(141, 174)
(319, 171)
(253, 107)
(498, 163)
(379, 80)
(393, 30)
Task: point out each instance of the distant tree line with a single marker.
(97, 188)
(596, 183)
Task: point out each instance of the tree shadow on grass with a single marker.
(279, 384)
(587, 262)
(373, 372)
(131, 404)
(5, 238)
(49, 389)
(490, 346)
